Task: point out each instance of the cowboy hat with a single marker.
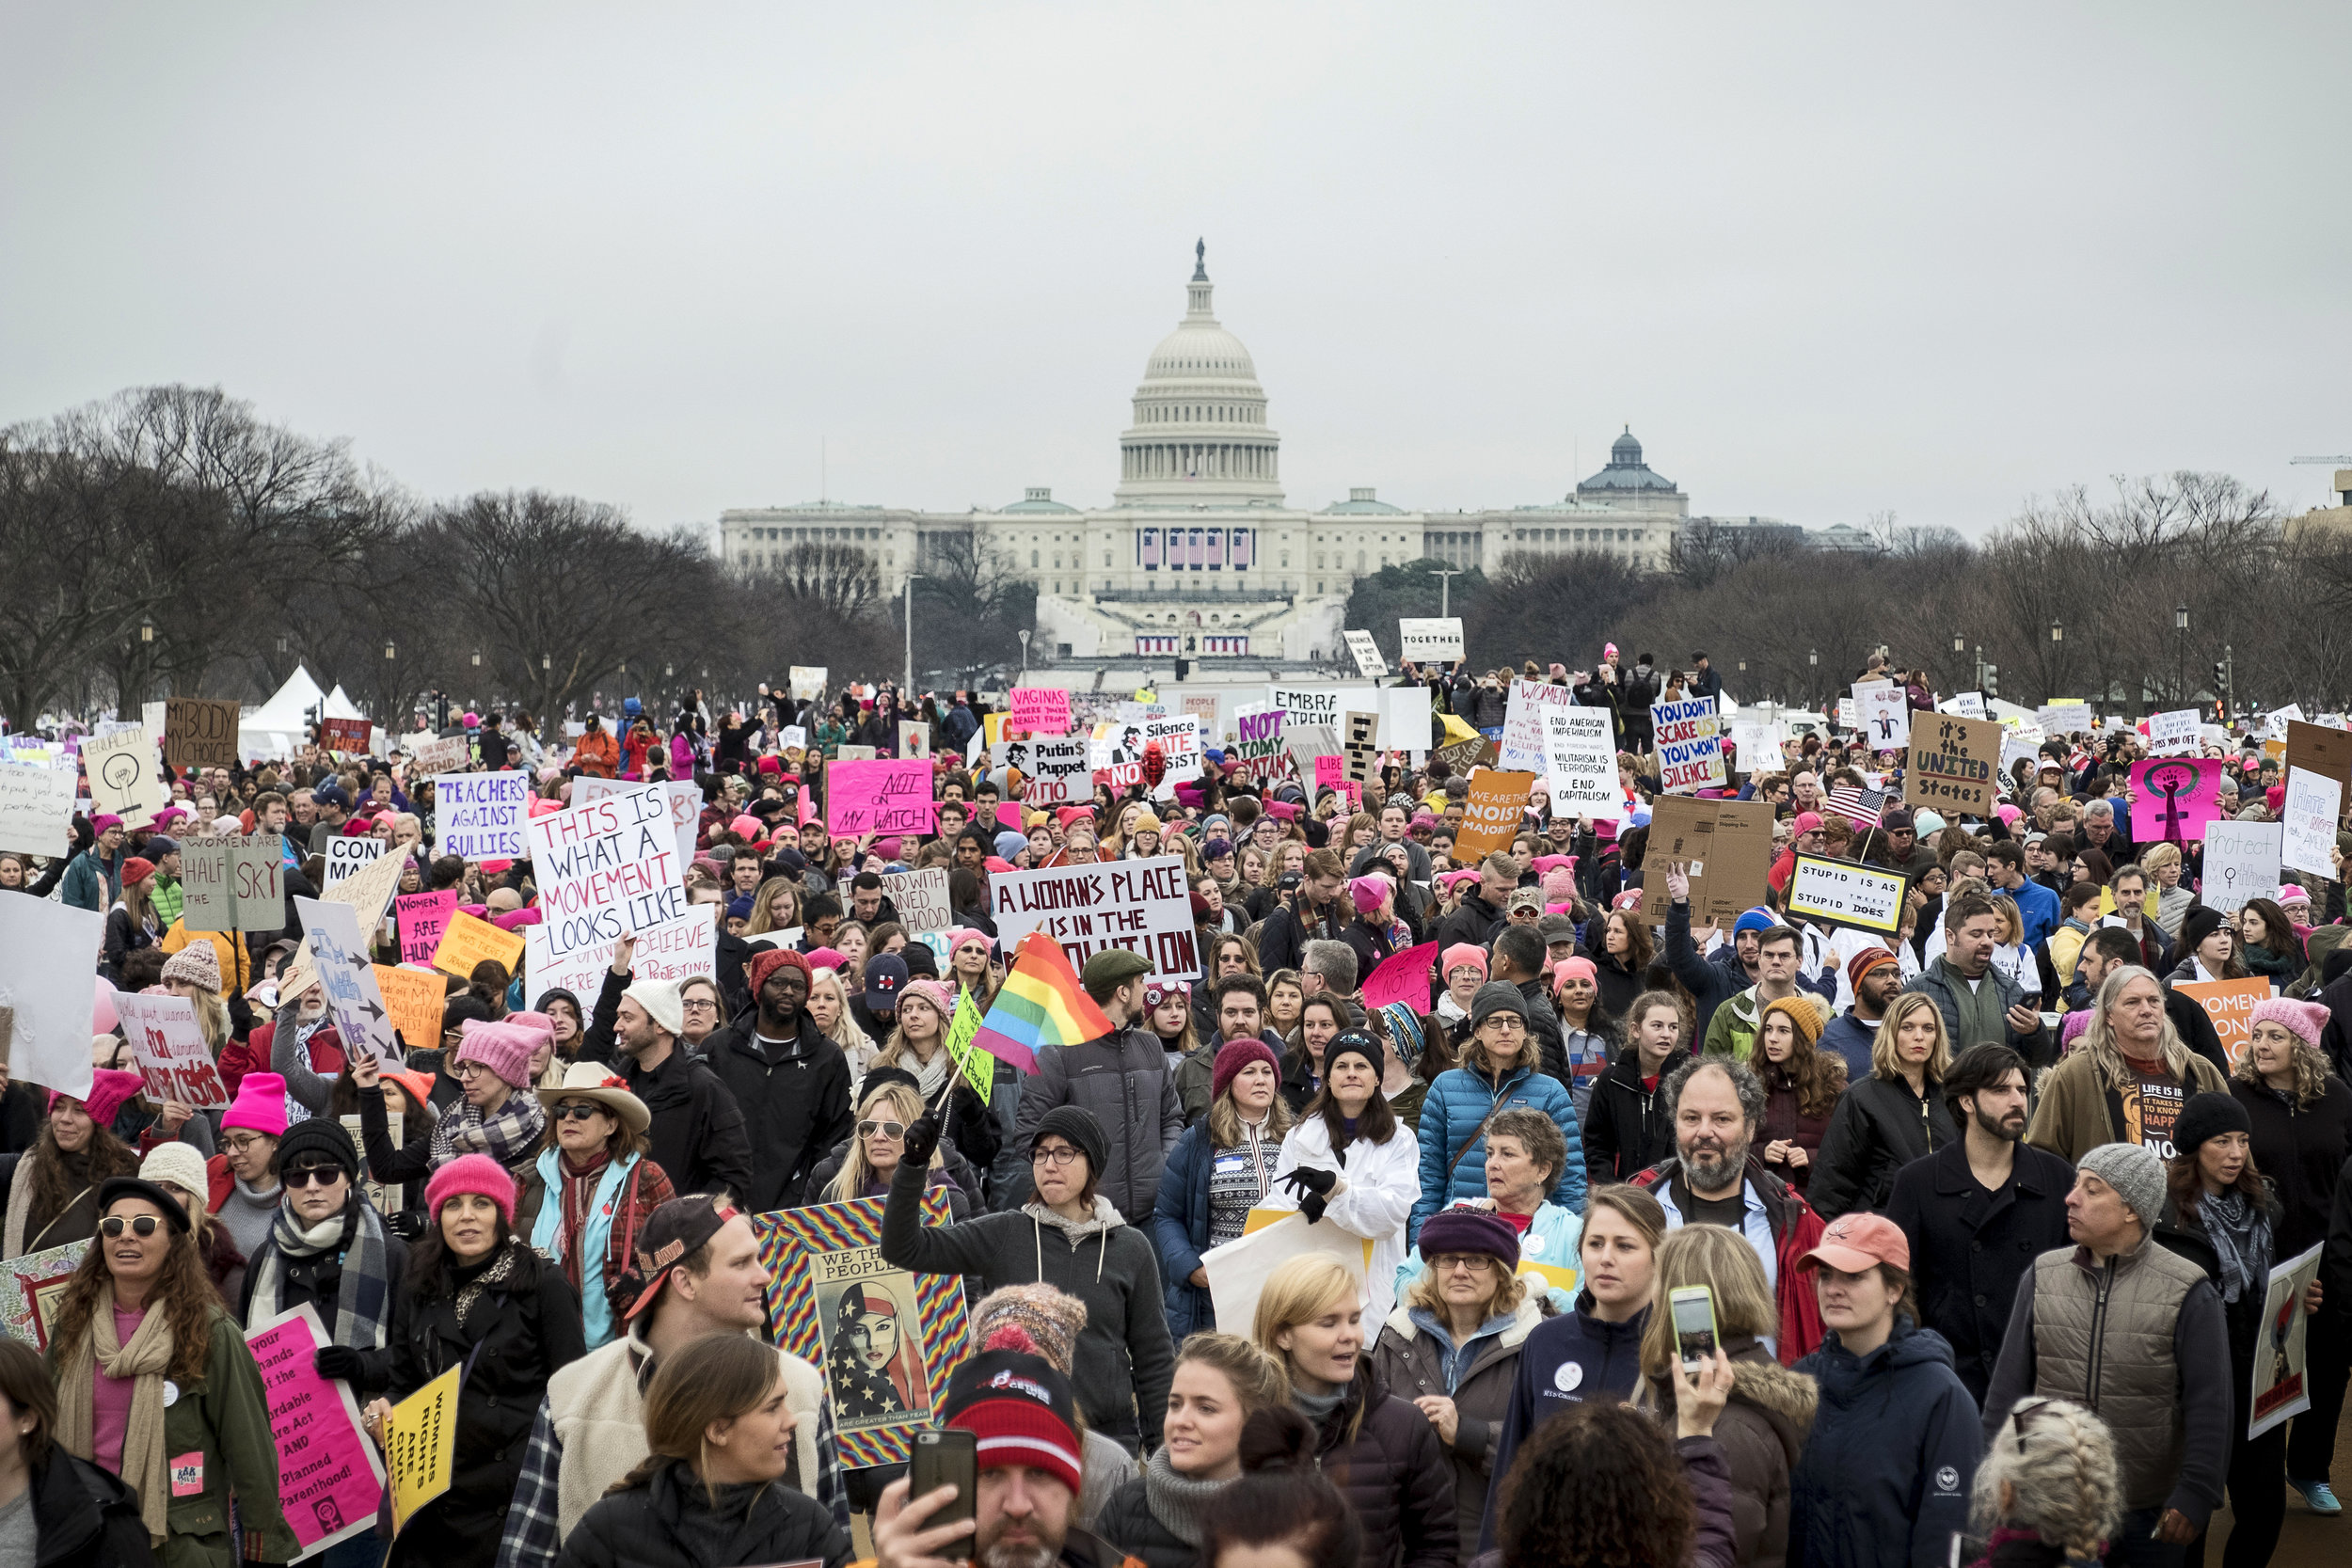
(593, 1081)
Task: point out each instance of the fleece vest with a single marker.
(2103, 1338)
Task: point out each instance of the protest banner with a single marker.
(914, 738)
(420, 1446)
(1522, 742)
(808, 681)
(1579, 760)
(1144, 906)
(348, 857)
(1430, 638)
(1883, 713)
(2242, 862)
(1967, 705)
(2230, 1004)
(1118, 753)
(480, 815)
(339, 952)
(1366, 649)
(1951, 765)
(1040, 709)
(200, 732)
(173, 1061)
(2177, 797)
(434, 754)
(421, 918)
(1360, 747)
(836, 1305)
(413, 999)
(1725, 848)
(605, 870)
(1238, 1269)
(1258, 744)
(1845, 893)
(330, 1481)
(2174, 734)
(1402, 978)
(348, 736)
(233, 883)
(672, 950)
(1054, 766)
(1315, 704)
(369, 894)
(2282, 1348)
(2308, 814)
(32, 1288)
(885, 795)
(468, 940)
(1689, 737)
(1493, 813)
(123, 775)
(920, 897)
(36, 809)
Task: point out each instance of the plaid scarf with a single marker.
(363, 1295)
(511, 1137)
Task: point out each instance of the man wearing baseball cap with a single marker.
(697, 1271)
(1122, 1078)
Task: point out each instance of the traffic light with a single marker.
(1992, 680)
(2220, 678)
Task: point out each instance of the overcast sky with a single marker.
(1826, 261)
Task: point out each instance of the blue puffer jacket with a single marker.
(1565, 1361)
(1884, 1480)
(1457, 1102)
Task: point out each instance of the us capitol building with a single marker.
(1197, 553)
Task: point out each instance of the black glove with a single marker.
(408, 1224)
(1312, 1206)
(922, 1140)
(1305, 1180)
(338, 1361)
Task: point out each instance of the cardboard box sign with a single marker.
(1728, 846)
(200, 732)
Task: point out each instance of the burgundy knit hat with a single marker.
(471, 1172)
(1232, 1056)
(1469, 1231)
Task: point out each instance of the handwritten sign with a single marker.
(1579, 754)
(199, 732)
(2230, 1004)
(1403, 977)
(1689, 737)
(369, 894)
(2064, 718)
(348, 857)
(808, 681)
(1883, 713)
(349, 736)
(170, 1046)
(978, 1067)
(122, 776)
(1967, 705)
(414, 998)
(1258, 743)
(1366, 650)
(1951, 763)
(1144, 906)
(338, 953)
(2174, 734)
(607, 869)
(438, 753)
(2242, 862)
(233, 883)
(421, 917)
(1841, 892)
(885, 795)
(2313, 805)
(330, 1481)
(921, 898)
(1530, 703)
(468, 940)
(1430, 638)
(420, 1446)
(36, 806)
(1040, 709)
(478, 816)
(1491, 818)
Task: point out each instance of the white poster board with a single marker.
(1521, 749)
(1967, 705)
(1238, 1271)
(606, 869)
(347, 976)
(478, 816)
(2173, 734)
(123, 777)
(920, 897)
(2313, 807)
(1883, 713)
(2240, 862)
(169, 1048)
(1581, 762)
(36, 809)
(1430, 638)
(1143, 905)
(48, 964)
(1369, 663)
(348, 857)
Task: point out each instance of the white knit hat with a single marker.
(181, 1165)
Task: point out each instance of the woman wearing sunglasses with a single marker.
(592, 1189)
(155, 1385)
(918, 1047)
(869, 1157)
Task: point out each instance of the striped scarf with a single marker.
(511, 1136)
(363, 1295)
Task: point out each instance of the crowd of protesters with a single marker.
(1983, 1212)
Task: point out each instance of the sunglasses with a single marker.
(323, 1176)
(576, 1112)
(144, 1226)
(887, 1129)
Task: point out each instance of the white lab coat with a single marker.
(1379, 1184)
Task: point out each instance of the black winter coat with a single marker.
(1472, 921)
(670, 1523)
(2302, 1149)
(794, 1108)
(1879, 1127)
(697, 1136)
(86, 1516)
(1129, 1524)
(1395, 1473)
(517, 1333)
(1626, 1127)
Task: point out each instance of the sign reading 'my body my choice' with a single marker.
(606, 870)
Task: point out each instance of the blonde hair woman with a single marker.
(2073, 1113)
(775, 905)
(829, 1005)
(1162, 1516)
(917, 1047)
(1890, 1119)
(2048, 1476)
(876, 1145)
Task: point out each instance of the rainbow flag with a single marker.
(1040, 1004)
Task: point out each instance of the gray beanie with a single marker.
(1497, 996)
(2135, 1173)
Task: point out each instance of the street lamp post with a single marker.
(1813, 678)
(908, 689)
(2180, 654)
(1024, 635)
(1445, 587)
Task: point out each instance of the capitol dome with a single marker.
(1200, 436)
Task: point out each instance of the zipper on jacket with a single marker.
(2098, 1337)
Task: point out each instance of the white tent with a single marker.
(282, 724)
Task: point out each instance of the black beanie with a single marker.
(1355, 1042)
(2209, 1116)
(2196, 925)
(314, 1136)
(1077, 1124)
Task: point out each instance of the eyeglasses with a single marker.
(1449, 1263)
(244, 1144)
(887, 1129)
(143, 1225)
(575, 1111)
(1060, 1156)
(323, 1176)
(699, 1004)
(465, 1069)
(1506, 1022)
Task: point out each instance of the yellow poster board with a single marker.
(466, 940)
(420, 1446)
(414, 998)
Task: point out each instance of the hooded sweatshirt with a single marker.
(1884, 1480)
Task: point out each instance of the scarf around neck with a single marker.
(363, 1288)
(2239, 1232)
(143, 1361)
(511, 1136)
(1179, 1503)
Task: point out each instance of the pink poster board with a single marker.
(329, 1482)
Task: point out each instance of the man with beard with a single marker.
(1714, 1179)
(697, 1136)
(1978, 1211)
(789, 1079)
(1877, 980)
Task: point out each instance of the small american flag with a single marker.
(1861, 807)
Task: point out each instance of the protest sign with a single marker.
(200, 732)
(369, 894)
(808, 681)
(1493, 813)
(233, 883)
(1040, 709)
(348, 857)
(1258, 744)
(1848, 717)
(2067, 717)
(173, 1061)
(421, 1445)
(683, 797)
(1402, 978)
(1689, 736)
(2230, 1004)
(32, 1288)
(885, 795)
(421, 917)
(1306, 745)
(2283, 1349)
(1144, 906)
(837, 1305)
(2019, 745)
(1522, 742)
(2242, 862)
(1238, 1269)
(1360, 747)
(2323, 750)
(1883, 713)
(436, 754)
(978, 1067)
(468, 940)
(1844, 893)
(330, 1481)
(1330, 773)
(914, 738)
(607, 869)
(2174, 734)
(792, 737)
(672, 950)
(920, 897)
(339, 952)
(2274, 721)
(480, 815)
(36, 809)
(413, 999)
(1316, 705)
(2177, 797)
(122, 776)
(1952, 764)
(2308, 814)
(1579, 757)
(1968, 705)
(1366, 650)
(1118, 754)
(1472, 750)
(1056, 766)
(1757, 738)
(1430, 638)
(348, 736)
(1726, 848)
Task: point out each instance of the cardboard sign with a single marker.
(1055, 768)
(1883, 713)
(1359, 747)
(1144, 906)
(173, 1061)
(2176, 798)
(1366, 650)
(478, 816)
(920, 897)
(1040, 709)
(330, 1481)
(1689, 737)
(884, 797)
(348, 857)
(36, 809)
(438, 754)
(369, 894)
(1844, 893)
(1473, 750)
(2174, 734)
(421, 918)
(1492, 816)
(2308, 814)
(808, 682)
(1430, 638)
(1952, 762)
(122, 776)
(2279, 1391)
(420, 1446)
(1726, 844)
(2242, 861)
(338, 953)
(2322, 750)
(233, 883)
(414, 999)
(1258, 744)
(468, 940)
(2230, 1004)
(199, 732)
(1524, 715)
(1581, 763)
(1403, 977)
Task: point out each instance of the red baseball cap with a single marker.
(1853, 1243)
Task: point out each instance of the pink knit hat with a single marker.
(536, 1024)
(1459, 954)
(111, 1088)
(260, 1105)
(1369, 892)
(2303, 1020)
(932, 991)
(1559, 885)
(471, 1172)
(503, 1047)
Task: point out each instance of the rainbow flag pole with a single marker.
(1041, 1002)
